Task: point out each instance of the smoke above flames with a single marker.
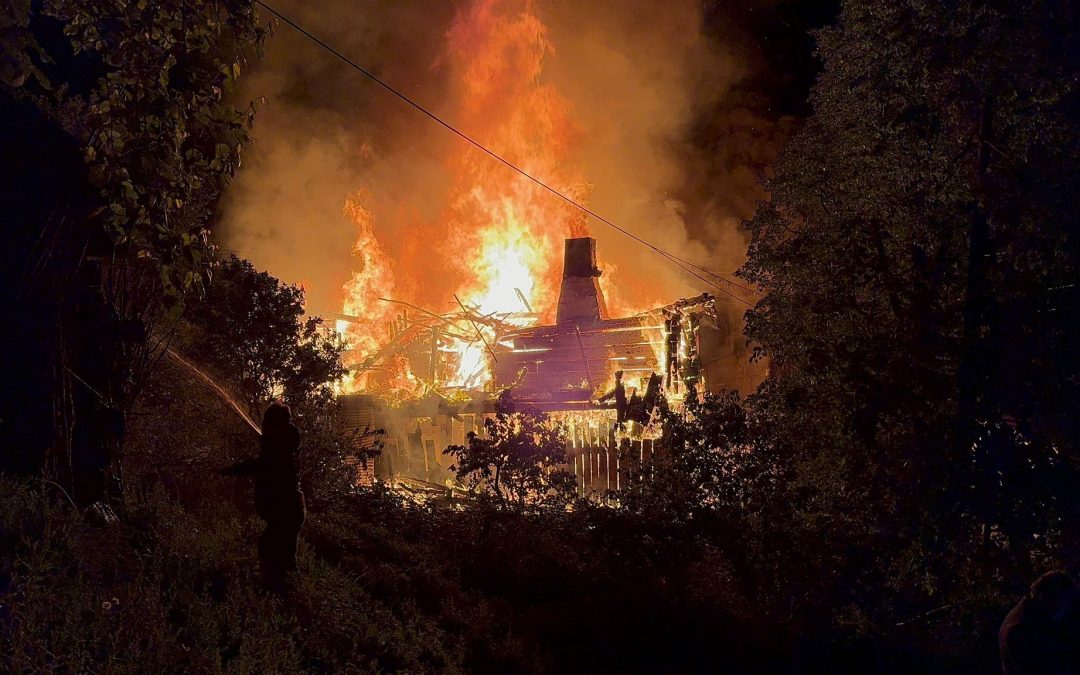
(637, 110)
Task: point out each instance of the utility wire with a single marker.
(691, 272)
(683, 263)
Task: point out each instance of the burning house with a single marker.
(462, 361)
(472, 270)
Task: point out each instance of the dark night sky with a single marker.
(734, 137)
(776, 38)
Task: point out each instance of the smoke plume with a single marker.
(652, 120)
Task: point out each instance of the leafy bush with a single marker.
(518, 464)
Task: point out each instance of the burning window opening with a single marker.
(455, 365)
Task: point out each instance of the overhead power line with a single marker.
(681, 262)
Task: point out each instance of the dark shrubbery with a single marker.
(680, 577)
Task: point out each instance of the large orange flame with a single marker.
(506, 230)
(501, 232)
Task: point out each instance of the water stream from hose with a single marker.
(222, 394)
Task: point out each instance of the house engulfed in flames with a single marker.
(568, 370)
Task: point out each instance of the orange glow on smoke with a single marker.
(500, 232)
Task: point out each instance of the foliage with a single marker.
(141, 90)
(517, 463)
(876, 506)
(332, 455)
(143, 86)
(175, 585)
(702, 462)
(251, 329)
(919, 253)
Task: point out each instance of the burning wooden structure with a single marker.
(567, 369)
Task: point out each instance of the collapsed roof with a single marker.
(568, 365)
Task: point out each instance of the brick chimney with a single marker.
(580, 299)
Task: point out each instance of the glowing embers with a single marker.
(427, 354)
(586, 428)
